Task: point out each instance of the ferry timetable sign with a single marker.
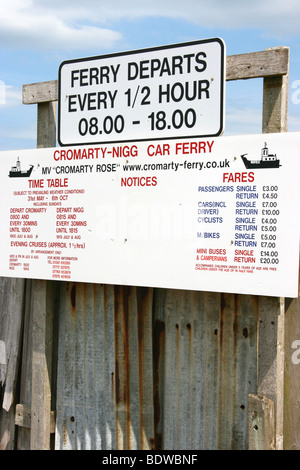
(164, 92)
(217, 214)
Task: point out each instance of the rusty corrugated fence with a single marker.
(154, 369)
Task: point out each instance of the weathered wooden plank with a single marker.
(7, 429)
(276, 98)
(261, 412)
(40, 92)
(238, 67)
(42, 329)
(271, 343)
(11, 310)
(275, 104)
(23, 417)
(23, 434)
(269, 313)
(270, 356)
(291, 405)
(41, 370)
(46, 125)
(271, 62)
(11, 319)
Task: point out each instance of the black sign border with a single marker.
(141, 51)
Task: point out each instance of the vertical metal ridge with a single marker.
(105, 391)
(209, 368)
(86, 370)
(166, 369)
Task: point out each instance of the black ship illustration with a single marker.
(16, 172)
(267, 160)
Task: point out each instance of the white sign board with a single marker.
(203, 214)
(165, 92)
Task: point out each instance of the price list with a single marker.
(247, 240)
(270, 214)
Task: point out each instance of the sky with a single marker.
(36, 36)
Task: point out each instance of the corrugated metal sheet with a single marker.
(104, 393)
(162, 369)
(207, 367)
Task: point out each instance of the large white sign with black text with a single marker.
(214, 214)
(159, 93)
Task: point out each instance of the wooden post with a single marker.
(261, 423)
(41, 368)
(276, 99)
(46, 125)
(42, 317)
(272, 330)
(291, 410)
(11, 316)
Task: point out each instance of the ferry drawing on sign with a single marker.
(16, 172)
(267, 160)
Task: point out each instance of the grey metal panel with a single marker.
(171, 370)
(85, 394)
(104, 392)
(207, 366)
